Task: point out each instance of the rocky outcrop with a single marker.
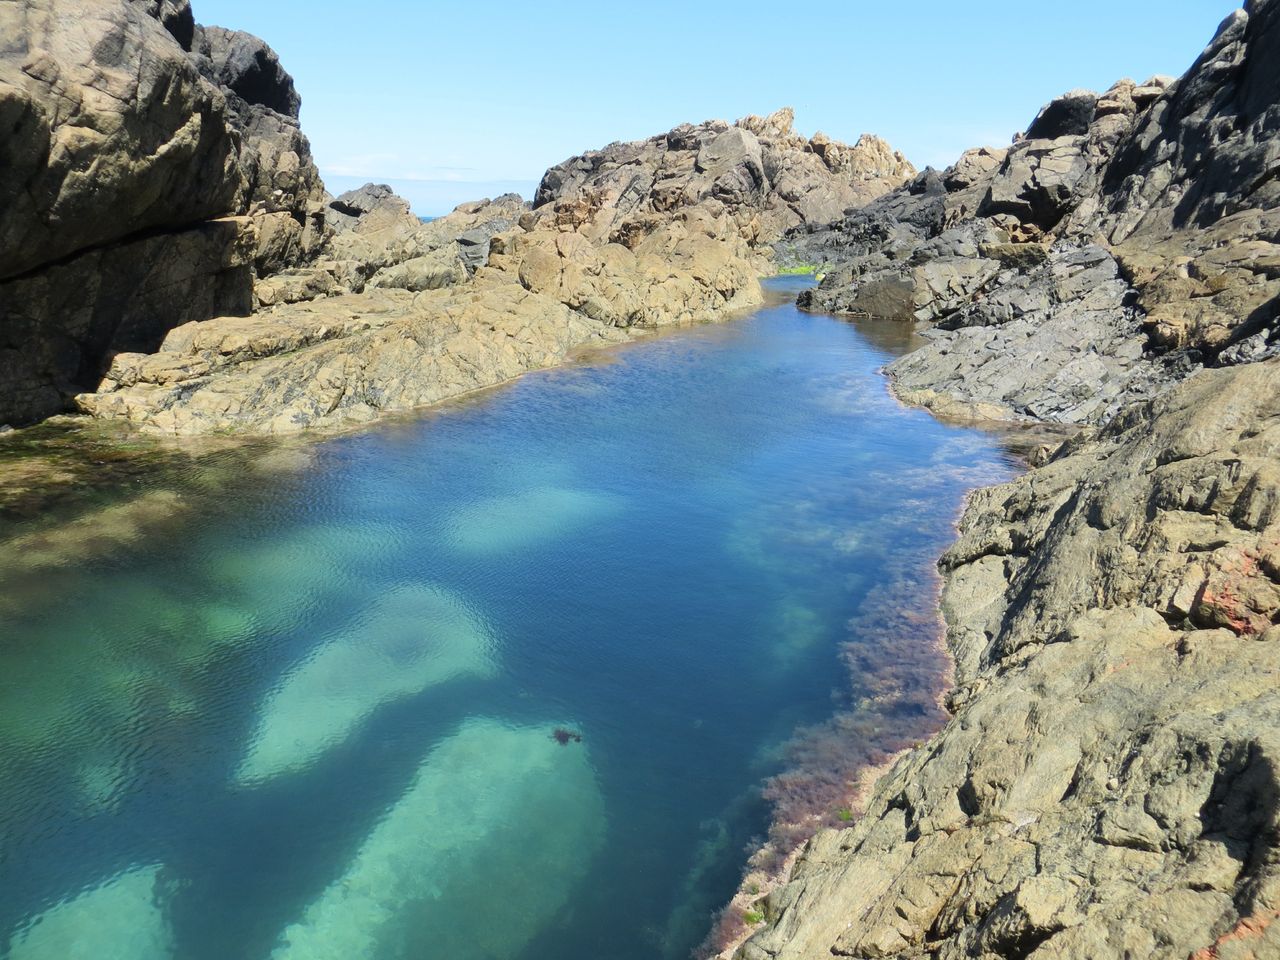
(1126, 240)
(129, 152)
(1108, 783)
(764, 176)
(341, 362)
(674, 229)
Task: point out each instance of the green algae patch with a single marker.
(800, 270)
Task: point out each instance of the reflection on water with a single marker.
(313, 714)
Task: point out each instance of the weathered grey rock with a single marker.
(1108, 784)
(369, 209)
(246, 66)
(1174, 181)
(1038, 181)
(128, 136)
(1058, 342)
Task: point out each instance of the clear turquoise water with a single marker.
(316, 720)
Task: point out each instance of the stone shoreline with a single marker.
(1108, 780)
(1106, 784)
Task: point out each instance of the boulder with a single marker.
(138, 147)
(1069, 115)
(369, 209)
(443, 268)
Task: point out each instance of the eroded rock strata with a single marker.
(1107, 782)
(1124, 241)
(392, 314)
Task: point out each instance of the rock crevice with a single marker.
(674, 229)
(1107, 783)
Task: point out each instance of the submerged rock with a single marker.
(498, 526)
(410, 639)
(1106, 785)
(123, 916)
(485, 846)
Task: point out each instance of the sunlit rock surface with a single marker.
(1107, 784)
(1126, 240)
(394, 314)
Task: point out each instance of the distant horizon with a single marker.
(508, 91)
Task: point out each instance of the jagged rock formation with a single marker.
(1108, 785)
(1124, 241)
(146, 167)
(763, 174)
(674, 229)
(156, 176)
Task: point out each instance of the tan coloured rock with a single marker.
(341, 361)
(1107, 784)
(132, 136)
(669, 230)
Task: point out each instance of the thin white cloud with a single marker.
(374, 165)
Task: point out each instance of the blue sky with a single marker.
(455, 101)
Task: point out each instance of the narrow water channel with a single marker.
(499, 682)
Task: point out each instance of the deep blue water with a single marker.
(316, 720)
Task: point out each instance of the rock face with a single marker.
(1108, 784)
(1127, 239)
(342, 361)
(391, 313)
(766, 177)
(133, 142)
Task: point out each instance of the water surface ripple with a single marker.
(499, 682)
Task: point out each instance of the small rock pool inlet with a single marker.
(498, 683)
